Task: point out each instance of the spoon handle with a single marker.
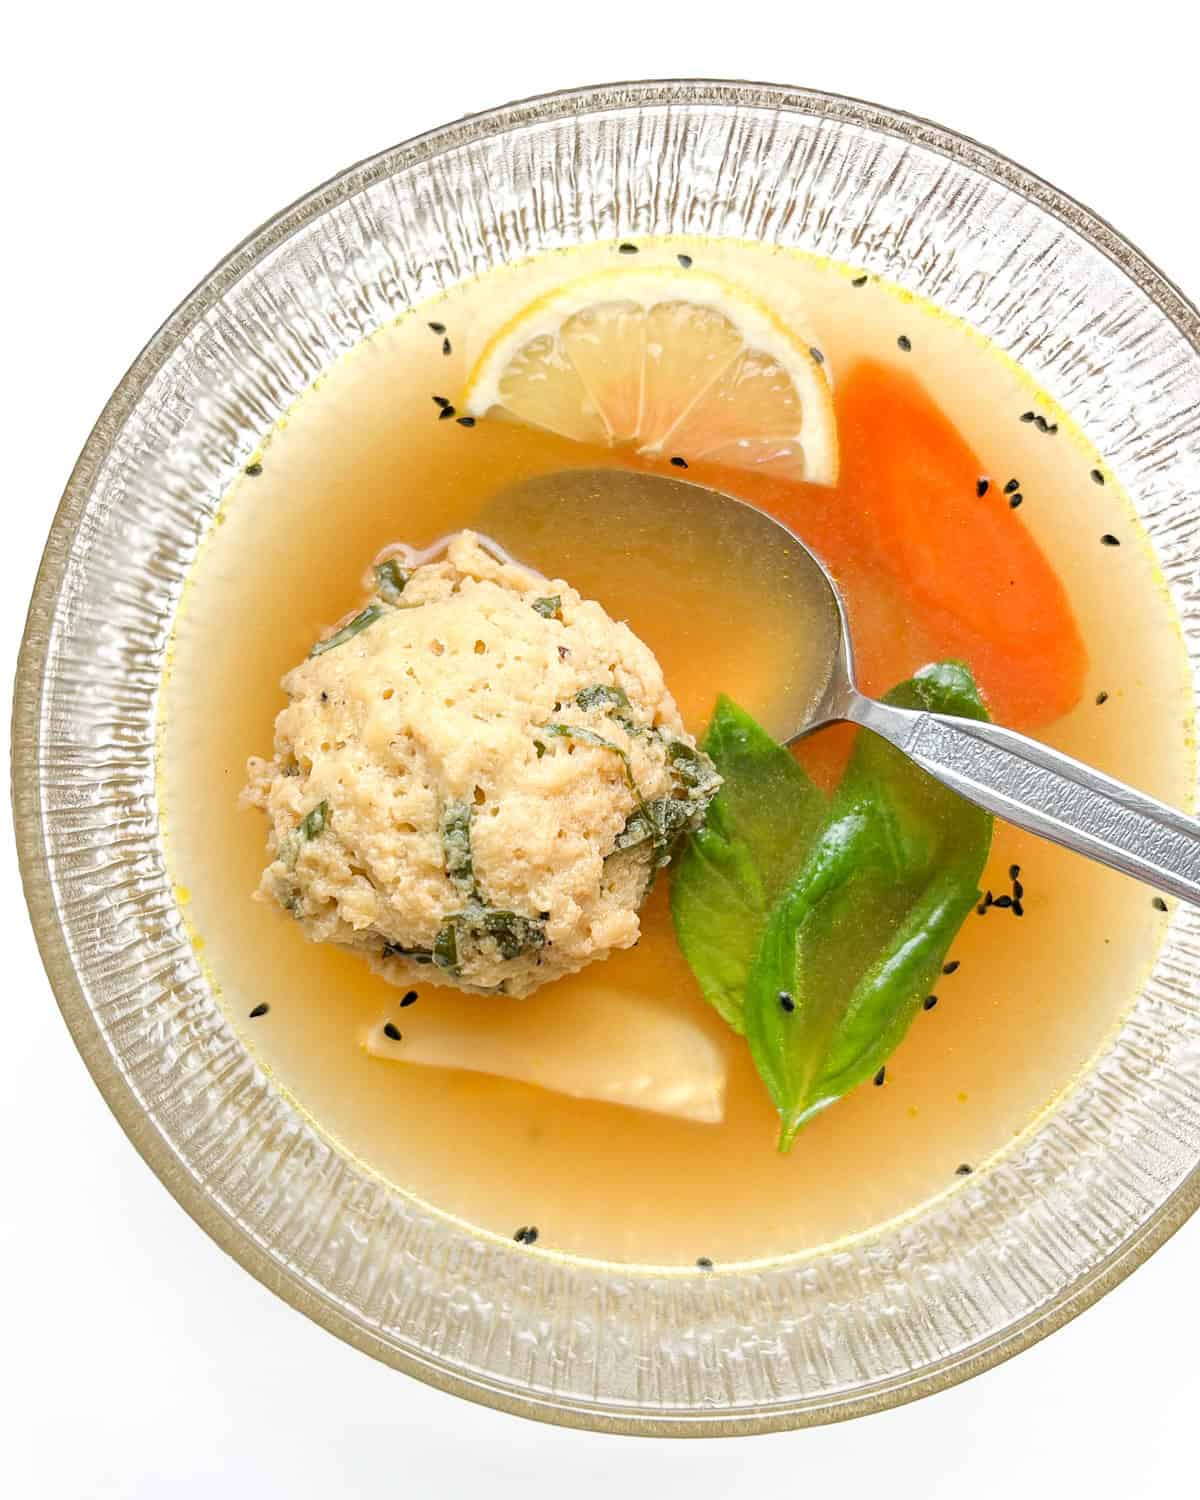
(1047, 793)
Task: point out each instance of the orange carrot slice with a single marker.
(928, 568)
(978, 581)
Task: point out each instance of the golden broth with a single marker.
(362, 461)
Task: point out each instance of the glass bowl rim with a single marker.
(1171, 303)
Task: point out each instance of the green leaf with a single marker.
(314, 822)
(600, 695)
(445, 946)
(456, 846)
(390, 580)
(511, 934)
(693, 768)
(311, 826)
(859, 936)
(359, 623)
(582, 735)
(478, 923)
(615, 702)
(731, 873)
(663, 821)
(549, 607)
(398, 950)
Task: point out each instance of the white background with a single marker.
(141, 144)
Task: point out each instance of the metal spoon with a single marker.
(1018, 778)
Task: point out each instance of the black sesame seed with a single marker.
(1101, 696)
(1003, 902)
(392, 1031)
(409, 999)
(981, 909)
(704, 1263)
(904, 342)
(929, 1002)
(786, 1001)
(680, 463)
(1014, 501)
(963, 1170)
(981, 487)
(817, 355)
(1052, 429)
(685, 261)
(859, 281)
(1042, 424)
(1097, 477)
(952, 967)
(1028, 416)
(1159, 904)
(1012, 486)
(446, 413)
(445, 346)
(880, 1076)
(259, 1010)
(526, 1235)
(465, 421)
(438, 327)
(1014, 872)
(1017, 909)
(442, 401)
(988, 899)
(1108, 540)
(1018, 891)
(627, 249)
(253, 470)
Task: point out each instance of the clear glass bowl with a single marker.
(1021, 1247)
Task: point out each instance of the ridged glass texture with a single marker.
(1022, 1245)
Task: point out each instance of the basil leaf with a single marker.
(663, 821)
(512, 934)
(861, 932)
(582, 735)
(692, 767)
(731, 873)
(600, 695)
(360, 622)
(311, 826)
(390, 580)
(314, 822)
(456, 846)
(478, 922)
(398, 950)
(615, 701)
(445, 946)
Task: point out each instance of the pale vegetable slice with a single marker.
(618, 1047)
(667, 361)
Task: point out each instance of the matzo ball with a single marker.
(479, 772)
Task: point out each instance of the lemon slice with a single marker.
(665, 361)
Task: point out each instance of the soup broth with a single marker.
(363, 460)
